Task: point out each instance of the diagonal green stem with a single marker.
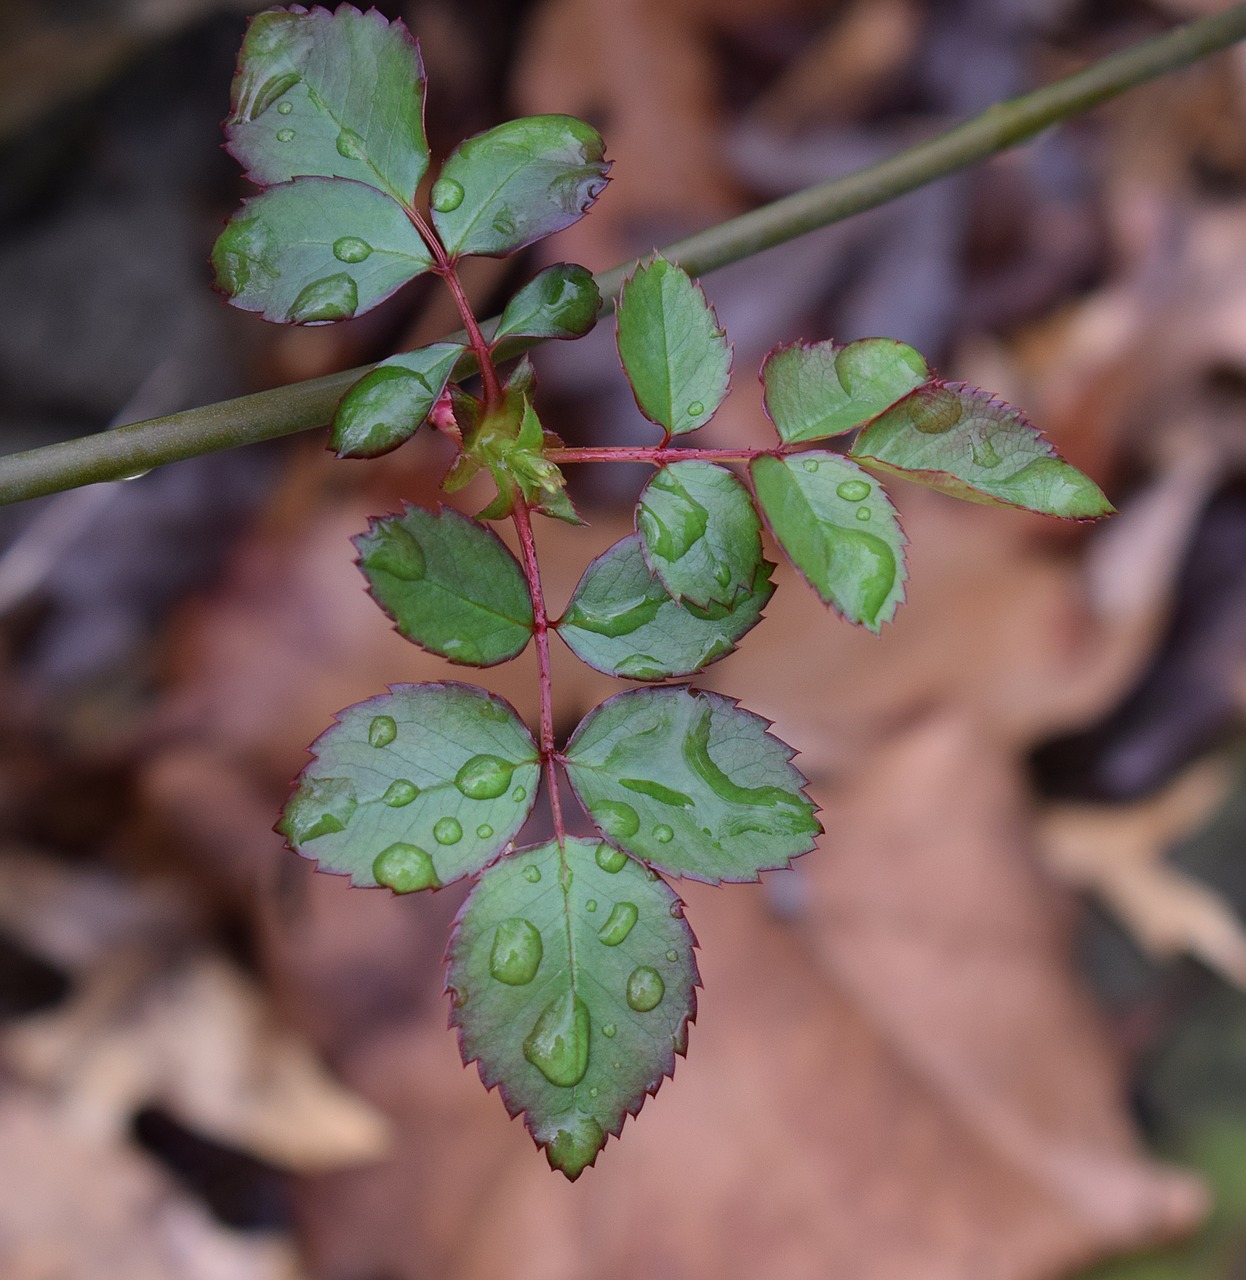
(125, 451)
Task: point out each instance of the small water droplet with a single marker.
(853, 490)
(864, 513)
(484, 777)
(532, 873)
(592, 1092)
(622, 918)
(284, 108)
(558, 1044)
(722, 573)
(696, 409)
(285, 135)
(333, 298)
(517, 952)
(447, 831)
(609, 858)
(400, 792)
(519, 795)
(484, 831)
(404, 868)
(645, 989)
(393, 549)
(616, 819)
(640, 666)
(810, 464)
(677, 910)
(447, 195)
(608, 1030)
(350, 145)
(382, 731)
(504, 222)
(351, 249)
(663, 834)
(984, 453)
(618, 1066)
(672, 955)
(591, 905)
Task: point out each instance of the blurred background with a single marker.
(994, 1028)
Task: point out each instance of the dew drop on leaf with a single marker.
(672, 955)
(616, 818)
(810, 464)
(404, 868)
(696, 409)
(663, 834)
(484, 777)
(350, 145)
(591, 905)
(351, 249)
(853, 490)
(504, 222)
(592, 1093)
(394, 551)
(517, 952)
(519, 795)
(608, 1030)
(984, 453)
(447, 195)
(285, 135)
(532, 873)
(572, 1148)
(382, 731)
(620, 923)
(284, 108)
(640, 666)
(400, 792)
(864, 513)
(609, 858)
(448, 831)
(319, 807)
(645, 989)
(558, 1044)
(333, 298)
(484, 831)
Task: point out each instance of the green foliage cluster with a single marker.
(571, 967)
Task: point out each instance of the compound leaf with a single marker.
(572, 978)
(512, 185)
(315, 250)
(560, 302)
(699, 533)
(815, 390)
(622, 621)
(449, 584)
(839, 529)
(387, 405)
(691, 783)
(334, 95)
(962, 441)
(414, 788)
(675, 355)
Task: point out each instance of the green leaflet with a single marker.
(814, 390)
(415, 788)
(699, 532)
(675, 355)
(962, 441)
(316, 250)
(622, 621)
(560, 302)
(572, 988)
(449, 584)
(691, 783)
(838, 527)
(335, 95)
(512, 185)
(386, 406)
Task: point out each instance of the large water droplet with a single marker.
(484, 831)
(484, 777)
(285, 135)
(447, 195)
(319, 807)
(400, 792)
(984, 453)
(645, 989)
(350, 145)
(853, 490)
(656, 791)
(392, 549)
(932, 410)
(284, 108)
(405, 868)
(351, 249)
(575, 1145)
(616, 819)
(558, 1044)
(640, 666)
(333, 298)
(448, 831)
(670, 518)
(382, 731)
(609, 858)
(619, 925)
(532, 873)
(663, 834)
(244, 247)
(517, 951)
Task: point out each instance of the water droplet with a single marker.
(608, 1030)
(558, 1044)
(319, 807)
(333, 298)
(591, 905)
(484, 777)
(574, 1145)
(676, 910)
(392, 549)
(285, 135)
(382, 731)
(504, 222)
(810, 464)
(350, 145)
(447, 831)
(400, 792)
(351, 249)
(671, 520)
(592, 1092)
(617, 1065)
(696, 409)
(620, 923)
(404, 868)
(663, 834)
(519, 795)
(722, 573)
(672, 955)
(853, 490)
(616, 819)
(933, 410)
(645, 989)
(864, 513)
(532, 873)
(656, 791)
(640, 666)
(984, 453)
(609, 858)
(484, 831)
(517, 952)
(447, 195)
(284, 108)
